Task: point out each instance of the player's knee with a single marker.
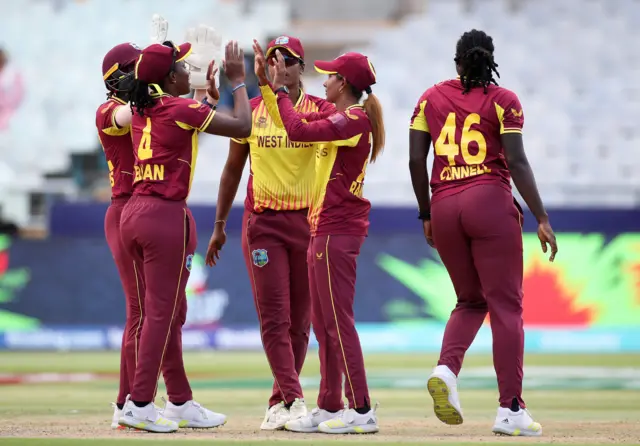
(472, 303)
(275, 326)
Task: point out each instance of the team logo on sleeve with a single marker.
(189, 262)
(260, 257)
(516, 113)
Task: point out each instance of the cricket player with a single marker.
(352, 137)
(117, 71)
(475, 223)
(113, 120)
(157, 227)
(275, 231)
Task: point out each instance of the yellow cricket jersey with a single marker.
(282, 171)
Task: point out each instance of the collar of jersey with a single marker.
(117, 100)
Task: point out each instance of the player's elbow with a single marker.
(244, 128)
(417, 160)
(517, 160)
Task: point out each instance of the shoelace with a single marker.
(201, 409)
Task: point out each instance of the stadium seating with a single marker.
(573, 64)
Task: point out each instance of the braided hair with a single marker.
(474, 55)
(140, 97)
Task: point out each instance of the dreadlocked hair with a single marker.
(140, 97)
(474, 55)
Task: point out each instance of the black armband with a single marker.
(425, 215)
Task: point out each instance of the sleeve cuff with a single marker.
(207, 121)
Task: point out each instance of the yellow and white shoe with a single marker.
(298, 409)
(516, 424)
(192, 414)
(310, 423)
(443, 388)
(145, 418)
(351, 422)
(275, 418)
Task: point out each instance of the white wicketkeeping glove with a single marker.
(159, 29)
(206, 45)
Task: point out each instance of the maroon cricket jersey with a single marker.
(465, 130)
(165, 142)
(117, 147)
(342, 154)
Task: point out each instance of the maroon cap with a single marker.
(356, 68)
(291, 44)
(119, 57)
(156, 60)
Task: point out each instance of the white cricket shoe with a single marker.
(117, 413)
(275, 418)
(443, 388)
(298, 409)
(351, 422)
(145, 418)
(191, 414)
(309, 423)
(517, 423)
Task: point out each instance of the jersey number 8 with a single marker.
(446, 144)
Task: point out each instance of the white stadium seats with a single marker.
(573, 63)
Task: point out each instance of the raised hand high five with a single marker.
(260, 63)
(234, 63)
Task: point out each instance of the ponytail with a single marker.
(373, 108)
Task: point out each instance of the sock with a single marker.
(178, 404)
(288, 405)
(141, 403)
(515, 405)
(119, 406)
(362, 410)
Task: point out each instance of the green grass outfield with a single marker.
(238, 384)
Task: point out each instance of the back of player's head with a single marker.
(359, 73)
(474, 58)
(117, 68)
(155, 63)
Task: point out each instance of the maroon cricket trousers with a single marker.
(133, 287)
(478, 235)
(160, 236)
(275, 244)
(332, 278)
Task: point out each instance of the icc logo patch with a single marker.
(260, 257)
(261, 122)
(189, 262)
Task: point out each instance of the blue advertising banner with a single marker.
(64, 292)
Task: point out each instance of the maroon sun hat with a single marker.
(156, 60)
(356, 68)
(288, 43)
